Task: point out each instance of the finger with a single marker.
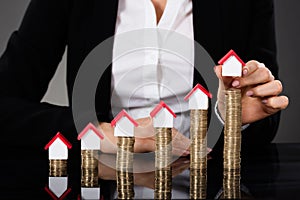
(145, 128)
(218, 71)
(180, 161)
(225, 81)
(272, 88)
(180, 152)
(259, 76)
(209, 150)
(179, 169)
(142, 145)
(180, 143)
(251, 67)
(276, 103)
(144, 122)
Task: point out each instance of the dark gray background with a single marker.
(288, 42)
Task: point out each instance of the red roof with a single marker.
(63, 196)
(93, 128)
(200, 87)
(228, 55)
(123, 113)
(159, 107)
(62, 138)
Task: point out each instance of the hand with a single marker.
(260, 92)
(144, 139)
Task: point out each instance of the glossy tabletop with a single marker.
(269, 172)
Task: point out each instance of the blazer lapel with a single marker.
(103, 17)
(208, 30)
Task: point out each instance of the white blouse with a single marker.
(143, 77)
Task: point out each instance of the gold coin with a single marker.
(58, 168)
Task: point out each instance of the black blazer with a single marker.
(49, 26)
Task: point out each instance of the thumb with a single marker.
(224, 81)
(218, 71)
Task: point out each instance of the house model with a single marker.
(90, 193)
(124, 125)
(90, 138)
(231, 64)
(198, 98)
(57, 194)
(58, 147)
(58, 187)
(162, 116)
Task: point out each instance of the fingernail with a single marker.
(272, 77)
(209, 150)
(215, 67)
(235, 83)
(261, 65)
(186, 161)
(249, 93)
(245, 72)
(187, 152)
(264, 101)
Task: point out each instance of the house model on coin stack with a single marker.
(231, 64)
(90, 138)
(124, 125)
(198, 98)
(58, 147)
(162, 116)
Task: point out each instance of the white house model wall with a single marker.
(124, 128)
(90, 141)
(198, 101)
(58, 150)
(232, 67)
(163, 119)
(58, 185)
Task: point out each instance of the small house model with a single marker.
(232, 64)
(90, 193)
(90, 138)
(124, 125)
(58, 187)
(162, 116)
(58, 147)
(198, 98)
(57, 195)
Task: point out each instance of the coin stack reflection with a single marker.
(125, 183)
(198, 165)
(57, 168)
(232, 144)
(163, 156)
(89, 168)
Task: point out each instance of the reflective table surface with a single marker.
(269, 172)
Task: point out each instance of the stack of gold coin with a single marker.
(163, 159)
(125, 183)
(198, 164)
(89, 168)
(57, 168)
(197, 184)
(163, 184)
(232, 144)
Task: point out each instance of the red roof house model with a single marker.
(122, 114)
(200, 87)
(228, 55)
(62, 138)
(159, 107)
(232, 64)
(90, 126)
